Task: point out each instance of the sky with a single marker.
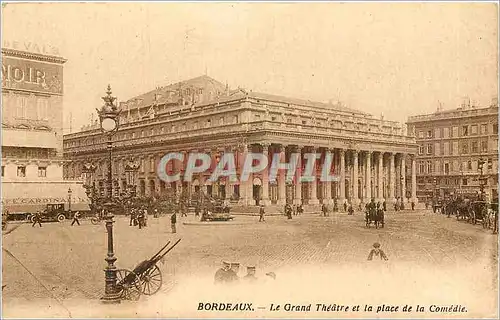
(395, 59)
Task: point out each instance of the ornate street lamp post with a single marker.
(69, 198)
(109, 120)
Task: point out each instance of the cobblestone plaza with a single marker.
(307, 253)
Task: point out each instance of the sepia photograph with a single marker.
(307, 160)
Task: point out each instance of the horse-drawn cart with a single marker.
(146, 278)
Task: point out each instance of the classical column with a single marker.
(328, 184)
(282, 177)
(342, 179)
(245, 195)
(298, 174)
(391, 177)
(380, 173)
(413, 179)
(368, 177)
(265, 177)
(403, 178)
(355, 198)
(314, 183)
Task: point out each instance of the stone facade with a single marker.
(371, 155)
(451, 143)
(32, 131)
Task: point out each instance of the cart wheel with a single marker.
(61, 218)
(128, 285)
(32, 218)
(151, 281)
(94, 220)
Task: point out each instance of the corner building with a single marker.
(451, 143)
(32, 133)
(374, 158)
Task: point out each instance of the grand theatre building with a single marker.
(374, 158)
(32, 132)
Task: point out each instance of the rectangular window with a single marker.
(42, 171)
(429, 133)
(151, 164)
(173, 128)
(474, 147)
(484, 129)
(446, 132)
(454, 149)
(469, 165)
(421, 149)
(142, 165)
(465, 148)
(455, 132)
(421, 167)
(484, 146)
(420, 134)
(221, 121)
(235, 119)
(288, 120)
(209, 123)
(437, 133)
(446, 148)
(429, 149)
(429, 167)
(464, 181)
(304, 122)
(465, 131)
(437, 148)
(473, 129)
(437, 166)
(22, 107)
(446, 168)
(495, 128)
(273, 118)
(21, 171)
(42, 108)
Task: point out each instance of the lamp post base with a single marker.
(112, 298)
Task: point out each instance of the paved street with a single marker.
(432, 259)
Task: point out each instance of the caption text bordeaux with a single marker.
(324, 307)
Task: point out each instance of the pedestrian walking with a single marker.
(37, 218)
(76, 216)
(288, 211)
(345, 206)
(350, 210)
(197, 210)
(183, 210)
(132, 217)
(324, 209)
(140, 218)
(261, 213)
(335, 206)
(376, 251)
(413, 205)
(173, 221)
(384, 205)
(300, 209)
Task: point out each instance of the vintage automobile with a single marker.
(57, 212)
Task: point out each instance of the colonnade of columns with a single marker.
(361, 175)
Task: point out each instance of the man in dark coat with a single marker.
(222, 275)
(233, 272)
(37, 218)
(75, 218)
(345, 206)
(173, 221)
(261, 213)
(413, 205)
(250, 276)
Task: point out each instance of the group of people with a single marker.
(228, 274)
(139, 217)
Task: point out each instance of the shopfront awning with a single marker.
(29, 139)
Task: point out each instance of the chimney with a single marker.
(494, 102)
(465, 103)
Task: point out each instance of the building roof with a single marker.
(170, 94)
